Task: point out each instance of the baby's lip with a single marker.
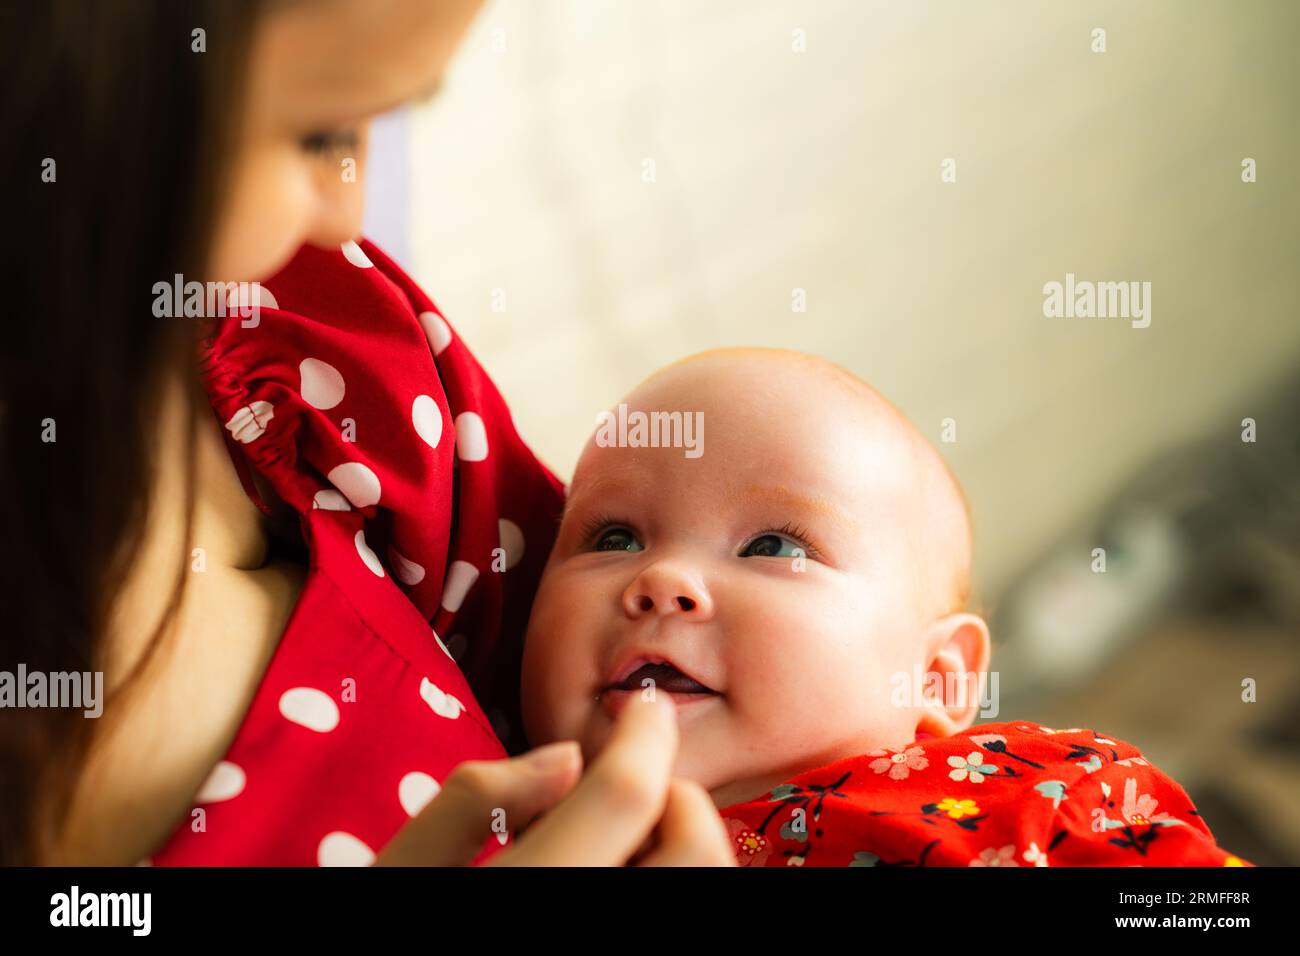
(633, 661)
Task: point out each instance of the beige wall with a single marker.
(821, 170)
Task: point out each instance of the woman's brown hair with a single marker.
(119, 120)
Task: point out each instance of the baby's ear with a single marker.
(957, 648)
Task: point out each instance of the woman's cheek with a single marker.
(267, 217)
(338, 183)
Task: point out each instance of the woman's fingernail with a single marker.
(552, 756)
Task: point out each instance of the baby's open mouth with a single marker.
(665, 676)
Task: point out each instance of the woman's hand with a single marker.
(626, 806)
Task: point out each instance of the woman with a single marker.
(205, 139)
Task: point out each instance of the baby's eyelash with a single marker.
(795, 532)
(592, 526)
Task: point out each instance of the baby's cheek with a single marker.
(801, 702)
(556, 695)
(777, 717)
(541, 709)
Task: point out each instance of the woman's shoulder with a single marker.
(424, 514)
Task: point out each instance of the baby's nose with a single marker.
(668, 589)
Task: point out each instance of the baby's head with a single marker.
(817, 548)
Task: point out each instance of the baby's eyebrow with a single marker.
(777, 497)
(784, 498)
(592, 490)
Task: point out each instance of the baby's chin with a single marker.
(708, 754)
(705, 752)
(700, 732)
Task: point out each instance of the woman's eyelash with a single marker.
(330, 141)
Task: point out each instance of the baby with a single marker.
(782, 581)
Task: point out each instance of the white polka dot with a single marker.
(407, 571)
(437, 331)
(444, 647)
(352, 252)
(441, 703)
(246, 295)
(460, 578)
(471, 437)
(512, 541)
(327, 499)
(368, 556)
(249, 422)
(415, 790)
(427, 419)
(457, 644)
(343, 849)
(358, 482)
(312, 708)
(322, 386)
(226, 781)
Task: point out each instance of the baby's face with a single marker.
(779, 662)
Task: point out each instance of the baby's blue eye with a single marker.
(772, 546)
(617, 539)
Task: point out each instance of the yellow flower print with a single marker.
(956, 809)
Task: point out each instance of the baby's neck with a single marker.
(743, 791)
(756, 787)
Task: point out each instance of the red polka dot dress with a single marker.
(427, 521)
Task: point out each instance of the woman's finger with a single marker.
(450, 831)
(691, 832)
(616, 804)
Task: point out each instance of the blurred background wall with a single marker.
(606, 186)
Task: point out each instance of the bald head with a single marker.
(774, 381)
